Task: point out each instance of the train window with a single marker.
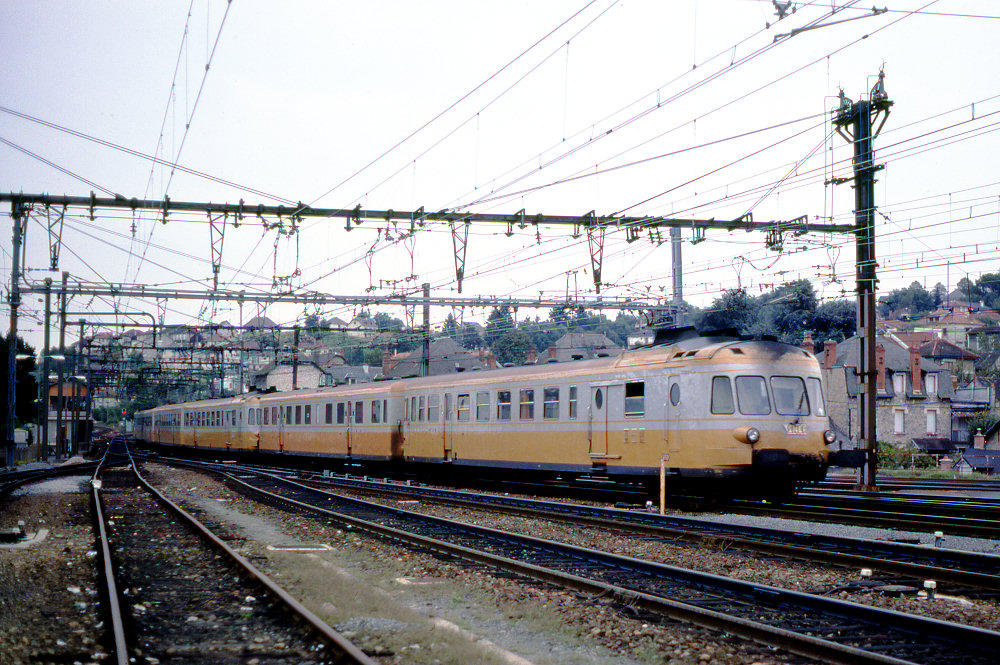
(274, 415)
(722, 395)
(503, 405)
(421, 407)
(433, 408)
(527, 404)
(329, 413)
(635, 398)
(252, 420)
(298, 414)
(413, 408)
(675, 393)
(359, 412)
(572, 401)
(464, 407)
(340, 413)
(751, 393)
(483, 405)
(288, 415)
(266, 413)
(816, 398)
(790, 397)
(385, 410)
(308, 414)
(550, 403)
(376, 411)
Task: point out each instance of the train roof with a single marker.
(680, 345)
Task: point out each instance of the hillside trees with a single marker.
(785, 313)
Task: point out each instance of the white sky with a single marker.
(302, 96)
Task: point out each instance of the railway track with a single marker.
(814, 626)
(957, 516)
(172, 595)
(971, 574)
(890, 483)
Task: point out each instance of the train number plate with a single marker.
(795, 429)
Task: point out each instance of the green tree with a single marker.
(969, 289)
(512, 347)
(983, 422)
(988, 287)
(499, 322)
(450, 328)
(733, 309)
(836, 320)
(940, 294)
(471, 339)
(386, 323)
(914, 297)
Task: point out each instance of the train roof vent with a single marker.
(737, 350)
(577, 356)
(691, 353)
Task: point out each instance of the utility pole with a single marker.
(295, 359)
(677, 273)
(854, 122)
(19, 215)
(43, 454)
(62, 368)
(425, 363)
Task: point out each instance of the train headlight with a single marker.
(746, 434)
(829, 436)
(753, 435)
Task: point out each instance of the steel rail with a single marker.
(12, 480)
(879, 516)
(346, 651)
(106, 570)
(934, 634)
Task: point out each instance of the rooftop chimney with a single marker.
(829, 353)
(978, 440)
(552, 353)
(915, 376)
(880, 368)
(807, 342)
(532, 355)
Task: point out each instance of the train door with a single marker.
(281, 428)
(606, 408)
(448, 427)
(350, 426)
(672, 405)
(597, 420)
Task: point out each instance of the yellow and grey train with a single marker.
(715, 411)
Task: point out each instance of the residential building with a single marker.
(913, 394)
(445, 357)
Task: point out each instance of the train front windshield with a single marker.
(791, 396)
